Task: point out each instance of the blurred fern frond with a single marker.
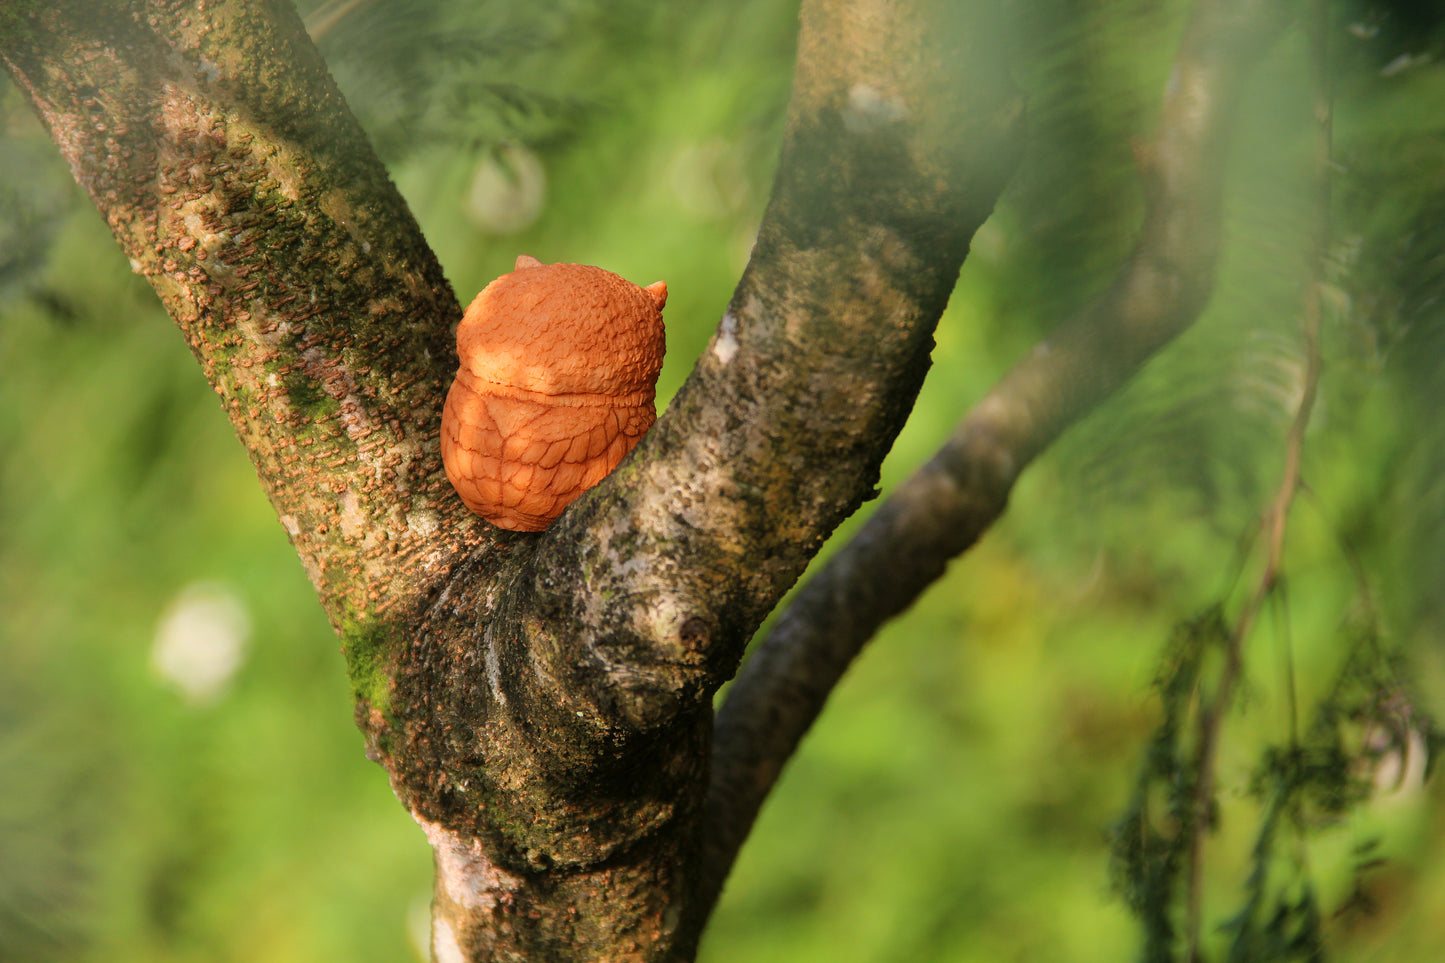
(421, 73)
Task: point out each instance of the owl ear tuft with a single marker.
(658, 291)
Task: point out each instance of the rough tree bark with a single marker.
(542, 703)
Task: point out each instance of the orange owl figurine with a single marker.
(559, 365)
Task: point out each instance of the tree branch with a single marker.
(219, 151)
(943, 508)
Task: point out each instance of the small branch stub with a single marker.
(558, 375)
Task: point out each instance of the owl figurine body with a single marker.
(559, 366)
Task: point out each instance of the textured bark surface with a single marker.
(541, 702)
(219, 151)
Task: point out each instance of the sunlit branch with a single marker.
(221, 154)
(943, 508)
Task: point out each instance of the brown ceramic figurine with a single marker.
(559, 363)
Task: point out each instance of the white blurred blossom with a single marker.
(201, 640)
(708, 178)
(508, 190)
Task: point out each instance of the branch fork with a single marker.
(542, 703)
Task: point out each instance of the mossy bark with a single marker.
(541, 702)
(219, 151)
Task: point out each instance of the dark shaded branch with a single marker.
(216, 146)
(943, 508)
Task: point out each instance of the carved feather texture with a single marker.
(559, 364)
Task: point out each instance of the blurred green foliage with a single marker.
(956, 800)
